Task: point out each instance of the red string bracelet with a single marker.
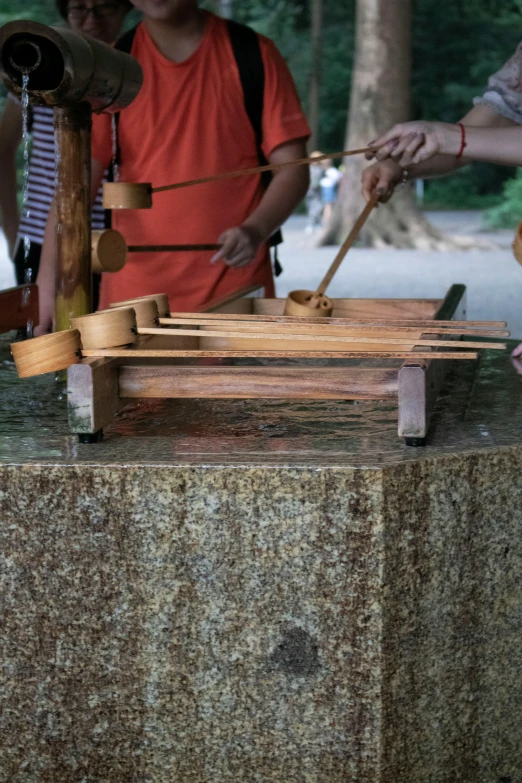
(463, 143)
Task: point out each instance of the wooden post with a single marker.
(73, 208)
(421, 382)
(92, 396)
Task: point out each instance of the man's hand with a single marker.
(381, 178)
(240, 246)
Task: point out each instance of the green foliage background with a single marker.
(457, 44)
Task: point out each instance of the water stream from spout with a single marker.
(25, 189)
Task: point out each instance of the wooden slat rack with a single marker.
(99, 388)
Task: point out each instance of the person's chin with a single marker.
(158, 9)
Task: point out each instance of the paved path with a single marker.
(493, 278)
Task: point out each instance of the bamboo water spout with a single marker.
(76, 75)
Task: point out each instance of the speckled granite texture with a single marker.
(265, 594)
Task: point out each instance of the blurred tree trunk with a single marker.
(315, 75)
(380, 97)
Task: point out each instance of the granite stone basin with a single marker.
(262, 591)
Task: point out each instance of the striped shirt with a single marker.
(41, 184)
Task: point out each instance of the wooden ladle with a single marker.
(315, 303)
(138, 195)
(109, 250)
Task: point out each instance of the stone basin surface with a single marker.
(262, 591)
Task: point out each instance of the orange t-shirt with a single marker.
(189, 121)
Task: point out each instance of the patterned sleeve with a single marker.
(504, 91)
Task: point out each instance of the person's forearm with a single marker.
(502, 146)
(8, 200)
(439, 166)
(46, 275)
(480, 116)
(286, 191)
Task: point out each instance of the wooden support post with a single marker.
(92, 395)
(73, 211)
(420, 382)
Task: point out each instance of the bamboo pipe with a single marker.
(138, 195)
(109, 250)
(170, 248)
(299, 302)
(73, 288)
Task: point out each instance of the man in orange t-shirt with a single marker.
(190, 121)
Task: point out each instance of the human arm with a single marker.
(417, 142)
(46, 273)
(10, 138)
(384, 176)
(285, 192)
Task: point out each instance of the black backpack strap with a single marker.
(124, 43)
(247, 52)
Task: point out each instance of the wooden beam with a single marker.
(312, 383)
(130, 353)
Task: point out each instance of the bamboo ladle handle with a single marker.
(261, 169)
(170, 248)
(345, 247)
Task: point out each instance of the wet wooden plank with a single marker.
(313, 383)
(18, 306)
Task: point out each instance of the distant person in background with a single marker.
(314, 200)
(101, 19)
(329, 187)
(489, 132)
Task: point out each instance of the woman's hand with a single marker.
(415, 142)
(240, 246)
(383, 178)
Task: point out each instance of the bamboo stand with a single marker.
(111, 361)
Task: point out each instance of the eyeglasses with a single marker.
(80, 12)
